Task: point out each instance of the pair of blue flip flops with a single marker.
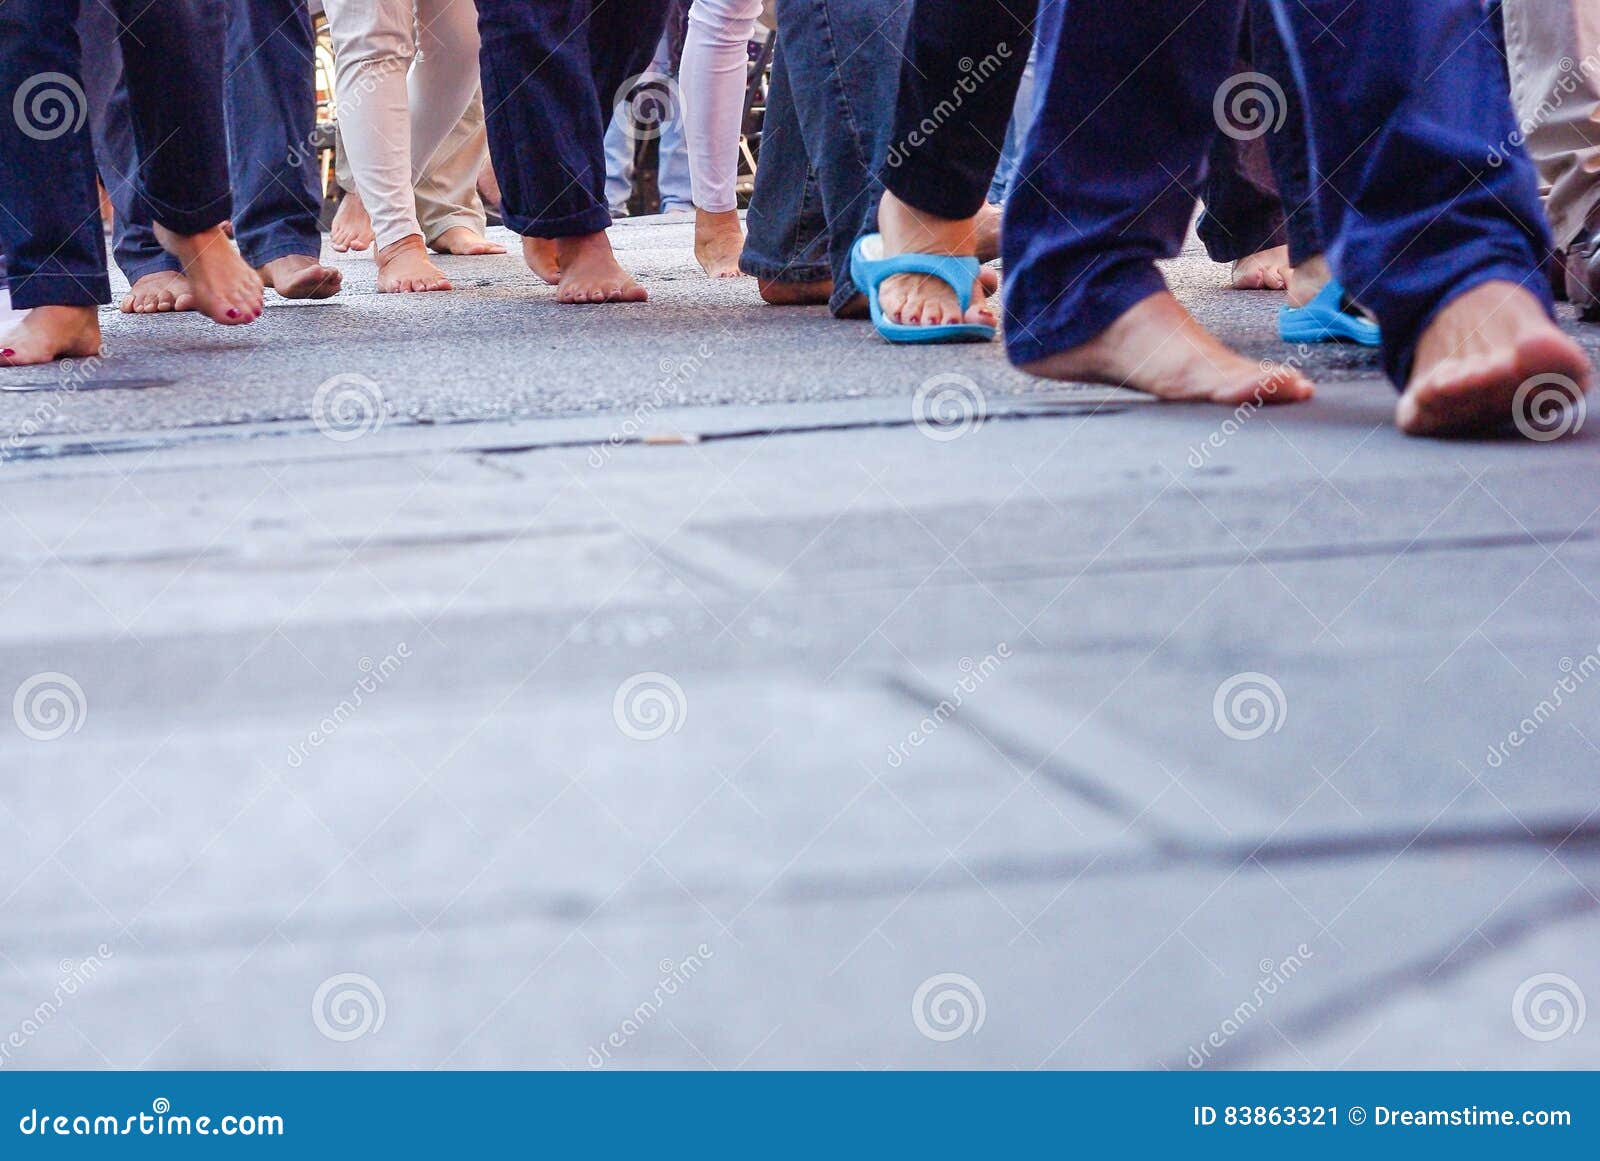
(1331, 317)
(868, 269)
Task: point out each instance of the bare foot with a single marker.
(1307, 280)
(987, 227)
(405, 268)
(795, 293)
(48, 333)
(464, 240)
(352, 227)
(921, 299)
(1263, 270)
(590, 274)
(1475, 358)
(301, 276)
(158, 293)
(225, 289)
(718, 241)
(540, 255)
(1158, 347)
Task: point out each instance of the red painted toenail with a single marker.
(7, 353)
(232, 313)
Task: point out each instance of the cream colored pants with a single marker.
(1554, 51)
(405, 72)
(447, 191)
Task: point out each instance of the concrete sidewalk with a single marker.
(473, 682)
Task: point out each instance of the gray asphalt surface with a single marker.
(480, 732)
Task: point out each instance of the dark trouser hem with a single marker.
(593, 221)
(284, 248)
(195, 218)
(934, 186)
(770, 271)
(133, 271)
(47, 288)
(1401, 336)
(1037, 330)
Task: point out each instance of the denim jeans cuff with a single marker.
(1063, 325)
(945, 191)
(281, 245)
(162, 263)
(1400, 336)
(189, 218)
(58, 288)
(590, 221)
(758, 266)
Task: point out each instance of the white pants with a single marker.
(712, 83)
(394, 109)
(1554, 51)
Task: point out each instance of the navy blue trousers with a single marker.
(50, 224)
(1405, 100)
(270, 104)
(553, 70)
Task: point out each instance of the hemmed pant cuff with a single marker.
(935, 189)
(590, 221)
(159, 264)
(190, 219)
(771, 271)
(310, 247)
(55, 289)
(1400, 340)
(1031, 340)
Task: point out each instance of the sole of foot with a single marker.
(590, 275)
(301, 277)
(1487, 357)
(164, 292)
(718, 242)
(405, 268)
(352, 226)
(226, 290)
(1157, 347)
(540, 256)
(920, 299)
(1263, 270)
(49, 333)
(464, 242)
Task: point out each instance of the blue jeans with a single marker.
(51, 228)
(672, 176)
(1016, 132)
(551, 74)
(1405, 102)
(829, 119)
(269, 100)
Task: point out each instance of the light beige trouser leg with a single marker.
(1554, 51)
(447, 192)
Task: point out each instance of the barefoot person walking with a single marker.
(1406, 100)
(716, 58)
(552, 72)
(269, 98)
(405, 73)
(51, 225)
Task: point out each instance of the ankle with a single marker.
(410, 244)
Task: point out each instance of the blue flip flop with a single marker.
(1331, 317)
(868, 269)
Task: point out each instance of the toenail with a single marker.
(232, 313)
(7, 353)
